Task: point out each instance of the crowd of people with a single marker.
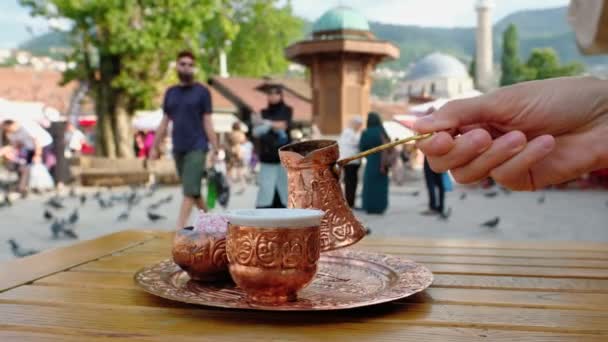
(29, 149)
(476, 139)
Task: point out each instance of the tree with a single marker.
(123, 47)
(510, 63)
(265, 30)
(383, 87)
(473, 69)
(544, 63)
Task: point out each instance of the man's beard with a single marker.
(185, 77)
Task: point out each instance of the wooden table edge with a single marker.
(17, 272)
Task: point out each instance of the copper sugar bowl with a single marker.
(201, 254)
(314, 184)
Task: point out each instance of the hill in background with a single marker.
(537, 28)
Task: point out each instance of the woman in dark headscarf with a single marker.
(375, 178)
(272, 130)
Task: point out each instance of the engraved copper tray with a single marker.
(345, 279)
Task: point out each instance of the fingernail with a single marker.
(480, 139)
(515, 139)
(546, 142)
(426, 120)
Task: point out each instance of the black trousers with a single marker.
(276, 202)
(434, 185)
(351, 180)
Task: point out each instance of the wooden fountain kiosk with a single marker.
(341, 55)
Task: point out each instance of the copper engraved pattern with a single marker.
(271, 248)
(345, 279)
(201, 255)
(313, 184)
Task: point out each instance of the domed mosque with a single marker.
(340, 54)
(437, 75)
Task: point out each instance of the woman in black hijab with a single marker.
(375, 177)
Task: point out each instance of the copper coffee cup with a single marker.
(273, 253)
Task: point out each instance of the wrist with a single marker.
(601, 141)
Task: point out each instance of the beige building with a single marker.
(437, 75)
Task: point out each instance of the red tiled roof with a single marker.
(243, 91)
(220, 102)
(27, 84)
(389, 109)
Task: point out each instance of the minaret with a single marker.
(484, 65)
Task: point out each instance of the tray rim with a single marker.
(343, 253)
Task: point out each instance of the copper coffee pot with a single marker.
(313, 174)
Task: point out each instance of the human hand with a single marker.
(525, 136)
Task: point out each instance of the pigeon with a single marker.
(73, 217)
(491, 194)
(155, 217)
(70, 233)
(151, 190)
(607, 203)
(541, 199)
(97, 194)
(123, 217)
(83, 199)
(55, 203)
(505, 191)
(48, 215)
(133, 199)
(72, 193)
(463, 196)
(167, 199)
(491, 223)
(104, 204)
(368, 231)
(56, 228)
(415, 193)
(446, 215)
(18, 251)
(154, 206)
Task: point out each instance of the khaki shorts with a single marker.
(190, 168)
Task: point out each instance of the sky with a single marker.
(436, 13)
(17, 26)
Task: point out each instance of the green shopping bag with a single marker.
(211, 194)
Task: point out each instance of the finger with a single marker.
(571, 157)
(455, 114)
(466, 148)
(515, 172)
(437, 145)
(502, 149)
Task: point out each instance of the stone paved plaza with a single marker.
(564, 215)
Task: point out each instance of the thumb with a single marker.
(455, 114)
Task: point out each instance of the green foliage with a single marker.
(544, 63)
(129, 43)
(510, 63)
(124, 48)
(547, 27)
(383, 88)
(265, 30)
(473, 68)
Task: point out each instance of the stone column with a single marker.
(484, 64)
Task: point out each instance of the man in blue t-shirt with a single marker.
(188, 106)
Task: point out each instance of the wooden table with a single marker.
(483, 291)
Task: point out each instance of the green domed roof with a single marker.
(341, 18)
